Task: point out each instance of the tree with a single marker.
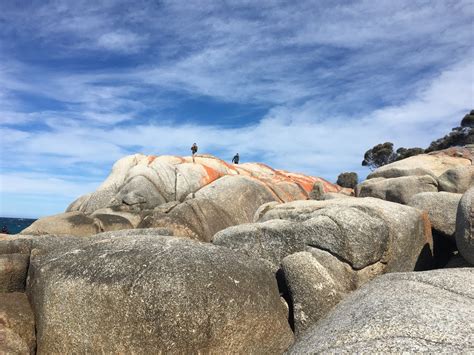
(383, 154)
(349, 180)
(379, 155)
(403, 153)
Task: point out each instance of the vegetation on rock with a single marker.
(383, 154)
(349, 180)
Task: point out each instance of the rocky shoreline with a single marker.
(180, 257)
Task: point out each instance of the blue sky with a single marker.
(306, 86)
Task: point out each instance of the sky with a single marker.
(306, 86)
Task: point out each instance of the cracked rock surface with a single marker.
(328, 248)
(431, 311)
(193, 199)
(149, 294)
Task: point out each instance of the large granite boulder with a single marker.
(13, 268)
(360, 231)
(434, 164)
(441, 208)
(143, 192)
(77, 223)
(429, 312)
(399, 189)
(316, 282)
(152, 294)
(337, 245)
(17, 324)
(225, 202)
(457, 180)
(465, 226)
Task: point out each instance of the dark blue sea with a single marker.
(15, 225)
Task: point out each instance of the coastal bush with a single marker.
(349, 180)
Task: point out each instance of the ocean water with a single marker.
(15, 225)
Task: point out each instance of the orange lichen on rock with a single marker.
(151, 158)
(212, 174)
(427, 228)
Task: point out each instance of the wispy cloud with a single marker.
(82, 84)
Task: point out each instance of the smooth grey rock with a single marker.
(69, 223)
(16, 316)
(360, 231)
(427, 312)
(13, 269)
(151, 294)
(93, 201)
(465, 226)
(134, 233)
(457, 180)
(400, 189)
(334, 195)
(15, 244)
(394, 172)
(112, 222)
(210, 210)
(77, 224)
(317, 192)
(441, 208)
(435, 163)
(315, 287)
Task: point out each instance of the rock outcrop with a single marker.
(17, 325)
(426, 312)
(465, 226)
(441, 208)
(448, 170)
(457, 180)
(352, 239)
(399, 189)
(316, 282)
(434, 164)
(151, 294)
(192, 199)
(13, 268)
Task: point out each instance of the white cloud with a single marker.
(335, 79)
(121, 41)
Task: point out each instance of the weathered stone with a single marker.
(399, 313)
(205, 192)
(441, 208)
(317, 192)
(155, 294)
(148, 181)
(434, 164)
(69, 223)
(465, 226)
(77, 224)
(395, 172)
(315, 287)
(13, 269)
(112, 222)
(209, 210)
(133, 233)
(17, 316)
(457, 180)
(334, 195)
(15, 244)
(360, 231)
(263, 209)
(400, 189)
(12, 343)
(93, 201)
